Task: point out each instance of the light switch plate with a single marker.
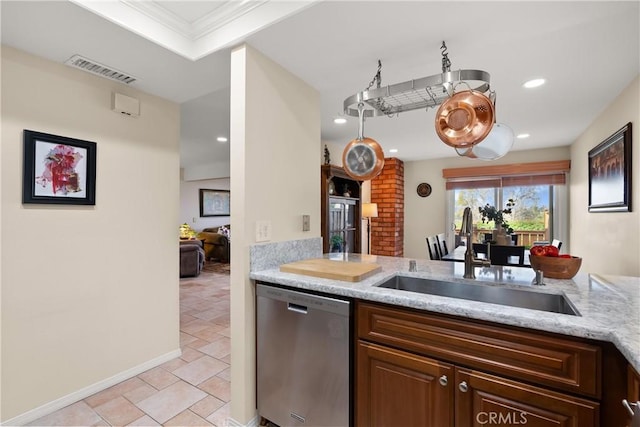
(263, 231)
(306, 222)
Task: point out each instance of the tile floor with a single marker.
(192, 390)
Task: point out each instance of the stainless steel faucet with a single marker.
(470, 260)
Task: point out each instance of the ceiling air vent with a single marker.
(94, 67)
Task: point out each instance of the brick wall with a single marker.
(387, 190)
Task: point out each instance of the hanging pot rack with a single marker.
(425, 92)
(460, 117)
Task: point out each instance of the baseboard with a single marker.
(253, 422)
(76, 396)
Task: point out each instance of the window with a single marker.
(540, 211)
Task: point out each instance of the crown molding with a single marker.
(229, 23)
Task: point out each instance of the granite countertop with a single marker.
(609, 306)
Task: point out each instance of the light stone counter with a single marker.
(609, 306)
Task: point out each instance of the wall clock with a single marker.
(423, 189)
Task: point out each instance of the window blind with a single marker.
(520, 174)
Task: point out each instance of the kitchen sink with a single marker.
(492, 294)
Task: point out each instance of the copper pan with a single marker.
(363, 158)
(465, 119)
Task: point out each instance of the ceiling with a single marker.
(180, 50)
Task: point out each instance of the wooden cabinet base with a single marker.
(396, 388)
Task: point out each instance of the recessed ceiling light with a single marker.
(523, 136)
(222, 139)
(534, 83)
(339, 120)
(393, 150)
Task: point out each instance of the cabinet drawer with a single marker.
(553, 361)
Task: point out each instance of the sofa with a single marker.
(191, 258)
(216, 245)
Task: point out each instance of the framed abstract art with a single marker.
(58, 170)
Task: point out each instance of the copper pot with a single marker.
(465, 119)
(363, 158)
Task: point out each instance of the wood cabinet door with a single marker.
(483, 399)
(395, 388)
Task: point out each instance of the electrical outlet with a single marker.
(263, 231)
(306, 222)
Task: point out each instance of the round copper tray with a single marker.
(465, 119)
(363, 159)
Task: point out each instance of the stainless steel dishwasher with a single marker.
(303, 363)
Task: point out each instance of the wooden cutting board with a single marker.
(348, 271)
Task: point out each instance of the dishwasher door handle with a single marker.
(302, 309)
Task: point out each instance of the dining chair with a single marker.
(480, 248)
(434, 250)
(557, 243)
(500, 255)
(442, 244)
(514, 239)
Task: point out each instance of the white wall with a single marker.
(426, 216)
(609, 242)
(83, 297)
(275, 129)
(190, 203)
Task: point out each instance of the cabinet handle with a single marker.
(463, 387)
(629, 405)
(443, 380)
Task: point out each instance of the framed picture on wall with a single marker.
(215, 202)
(610, 173)
(58, 170)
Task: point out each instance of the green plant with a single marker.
(336, 241)
(490, 213)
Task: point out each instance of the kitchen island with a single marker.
(567, 366)
(609, 306)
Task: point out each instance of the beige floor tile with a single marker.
(144, 421)
(226, 359)
(222, 320)
(119, 411)
(187, 418)
(201, 306)
(158, 378)
(209, 333)
(208, 314)
(200, 370)
(186, 339)
(174, 364)
(78, 414)
(169, 402)
(217, 387)
(219, 417)
(185, 318)
(112, 392)
(198, 343)
(207, 406)
(225, 375)
(226, 332)
(140, 393)
(189, 354)
(194, 326)
(218, 348)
